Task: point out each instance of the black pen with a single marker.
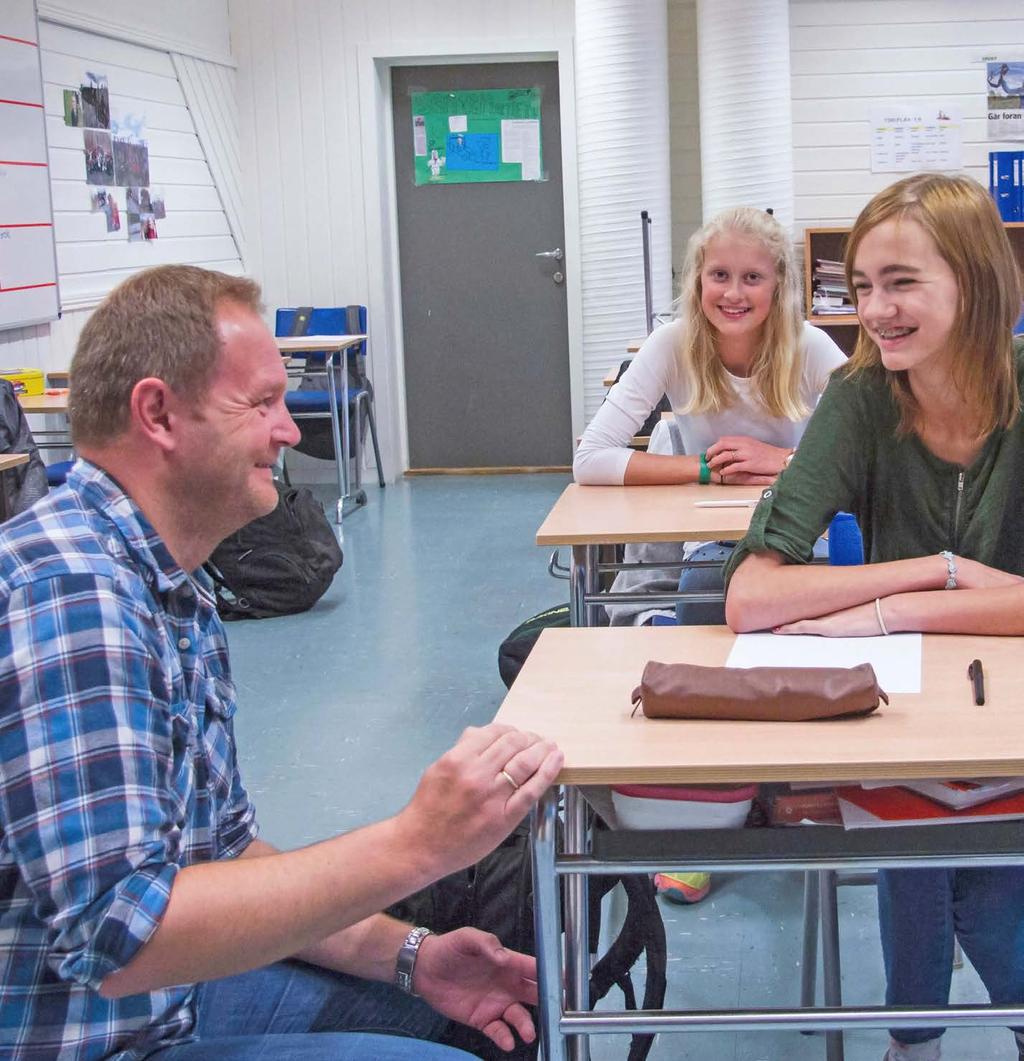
(977, 677)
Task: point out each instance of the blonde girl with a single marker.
(741, 368)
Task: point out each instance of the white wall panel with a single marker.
(302, 147)
(847, 55)
(192, 27)
(209, 91)
(684, 128)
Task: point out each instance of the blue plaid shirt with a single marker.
(117, 767)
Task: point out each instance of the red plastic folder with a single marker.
(867, 808)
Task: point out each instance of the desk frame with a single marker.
(575, 689)
(333, 346)
(564, 1028)
(586, 598)
(592, 518)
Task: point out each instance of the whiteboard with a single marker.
(28, 257)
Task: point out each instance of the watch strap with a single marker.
(405, 964)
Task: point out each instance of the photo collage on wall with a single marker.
(116, 156)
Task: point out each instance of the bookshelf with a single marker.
(830, 244)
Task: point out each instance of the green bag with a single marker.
(516, 647)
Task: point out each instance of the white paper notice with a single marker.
(458, 123)
(906, 139)
(419, 135)
(520, 142)
(896, 659)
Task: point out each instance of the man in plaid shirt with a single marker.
(139, 912)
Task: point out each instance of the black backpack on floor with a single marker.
(496, 895)
(279, 564)
(512, 652)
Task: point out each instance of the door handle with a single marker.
(556, 254)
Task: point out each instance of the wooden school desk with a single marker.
(586, 517)
(612, 374)
(44, 403)
(55, 404)
(333, 346)
(575, 689)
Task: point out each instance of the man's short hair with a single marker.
(160, 322)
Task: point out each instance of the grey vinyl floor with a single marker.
(342, 707)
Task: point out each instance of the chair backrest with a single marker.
(327, 320)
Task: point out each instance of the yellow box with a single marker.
(25, 380)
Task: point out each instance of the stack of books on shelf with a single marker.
(878, 804)
(830, 296)
(1006, 183)
(932, 803)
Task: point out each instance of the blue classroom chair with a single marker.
(57, 472)
(313, 403)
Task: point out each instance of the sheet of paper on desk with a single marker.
(896, 659)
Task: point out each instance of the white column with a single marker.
(623, 162)
(746, 136)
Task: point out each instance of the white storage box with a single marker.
(682, 807)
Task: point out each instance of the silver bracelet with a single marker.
(950, 568)
(405, 964)
(878, 616)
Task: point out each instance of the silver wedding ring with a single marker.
(509, 778)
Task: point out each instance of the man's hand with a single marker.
(470, 799)
(741, 460)
(469, 976)
(860, 621)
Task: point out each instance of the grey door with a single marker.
(485, 331)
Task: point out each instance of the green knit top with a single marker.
(907, 501)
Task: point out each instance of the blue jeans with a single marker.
(709, 580)
(291, 1011)
(919, 910)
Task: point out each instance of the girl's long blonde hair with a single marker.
(777, 366)
(962, 219)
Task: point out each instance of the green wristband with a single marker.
(705, 471)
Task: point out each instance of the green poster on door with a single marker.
(490, 134)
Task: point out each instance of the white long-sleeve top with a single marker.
(603, 452)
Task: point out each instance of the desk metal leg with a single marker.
(577, 585)
(832, 985)
(809, 958)
(339, 436)
(583, 582)
(547, 921)
(577, 908)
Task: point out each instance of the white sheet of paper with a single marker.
(511, 140)
(458, 123)
(896, 659)
(520, 142)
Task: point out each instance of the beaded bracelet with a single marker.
(950, 568)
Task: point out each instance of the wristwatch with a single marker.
(406, 961)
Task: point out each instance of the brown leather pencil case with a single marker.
(757, 694)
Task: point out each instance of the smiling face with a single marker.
(737, 284)
(907, 296)
(238, 429)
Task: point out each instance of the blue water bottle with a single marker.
(845, 544)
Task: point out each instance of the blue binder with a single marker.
(1004, 183)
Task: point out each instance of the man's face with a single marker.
(232, 438)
